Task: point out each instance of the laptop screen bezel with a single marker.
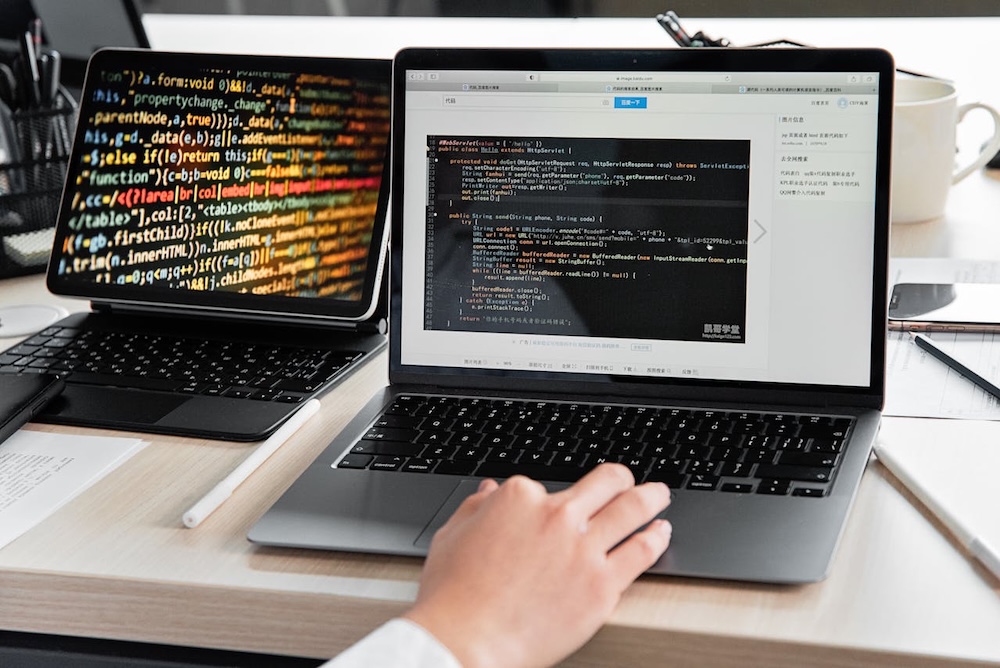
(229, 303)
(706, 60)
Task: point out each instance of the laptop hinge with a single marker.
(374, 325)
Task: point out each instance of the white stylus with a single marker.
(984, 552)
(217, 496)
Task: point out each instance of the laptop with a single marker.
(672, 259)
(225, 216)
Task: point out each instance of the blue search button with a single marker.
(630, 103)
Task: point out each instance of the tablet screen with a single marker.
(250, 183)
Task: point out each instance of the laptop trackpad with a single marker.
(464, 489)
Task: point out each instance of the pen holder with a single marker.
(34, 151)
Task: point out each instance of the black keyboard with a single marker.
(169, 363)
(726, 451)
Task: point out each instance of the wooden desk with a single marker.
(117, 562)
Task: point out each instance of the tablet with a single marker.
(228, 183)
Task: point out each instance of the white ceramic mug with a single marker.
(925, 118)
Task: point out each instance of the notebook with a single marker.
(690, 245)
(223, 214)
(949, 479)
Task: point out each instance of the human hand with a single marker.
(520, 577)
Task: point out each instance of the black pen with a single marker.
(670, 22)
(32, 78)
(932, 348)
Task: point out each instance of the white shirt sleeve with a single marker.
(399, 643)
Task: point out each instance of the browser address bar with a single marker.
(533, 101)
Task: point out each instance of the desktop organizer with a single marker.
(35, 144)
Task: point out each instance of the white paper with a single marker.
(942, 270)
(41, 471)
(917, 385)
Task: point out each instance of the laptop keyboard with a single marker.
(188, 365)
(741, 452)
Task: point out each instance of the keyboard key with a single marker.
(756, 442)
(806, 473)
(504, 455)
(418, 465)
(352, 461)
(537, 458)
(440, 451)
(471, 454)
(562, 444)
(737, 487)
(826, 445)
(758, 456)
(398, 448)
(672, 479)
(828, 460)
(389, 434)
(735, 469)
(702, 467)
(299, 385)
(386, 463)
(433, 436)
(626, 447)
(703, 482)
(727, 440)
(534, 471)
(437, 424)
(698, 452)
(791, 443)
(529, 442)
(459, 467)
(495, 440)
(468, 439)
(691, 439)
(813, 492)
(570, 459)
(774, 487)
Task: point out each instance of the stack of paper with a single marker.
(40, 472)
(917, 385)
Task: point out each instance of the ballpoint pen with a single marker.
(928, 345)
(29, 65)
(670, 23)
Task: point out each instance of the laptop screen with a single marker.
(240, 183)
(604, 220)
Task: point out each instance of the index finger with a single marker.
(596, 489)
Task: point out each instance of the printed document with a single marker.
(41, 471)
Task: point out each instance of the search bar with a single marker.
(631, 78)
(529, 101)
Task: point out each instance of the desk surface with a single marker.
(118, 563)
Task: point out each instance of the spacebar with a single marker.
(136, 382)
(534, 471)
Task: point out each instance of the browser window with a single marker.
(660, 224)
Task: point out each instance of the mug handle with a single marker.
(987, 152)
